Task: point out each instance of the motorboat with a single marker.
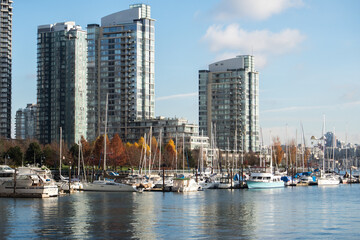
(6, 173)
(108, 186)
(185, 185)
(30, 182)
(225, 183)
(328, 179)
(75, 184)
(264, 180)
(306, 181)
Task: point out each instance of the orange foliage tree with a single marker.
(278, 152)
(133, 154)
(117, 155)
(87, 151)
(98, 150)
(293, 149)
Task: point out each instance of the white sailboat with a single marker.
(106, 185)
(326, 179)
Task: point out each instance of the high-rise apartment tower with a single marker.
(5, 67)
(61, 82)
(25, 122)
(229, 103)
(121, 65)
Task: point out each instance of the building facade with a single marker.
(229, 103)
(121, 65)
(25, 122)
(61, 82)
(177, 129)
(5, 67)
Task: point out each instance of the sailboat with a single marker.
(105, 185)
(327, 179)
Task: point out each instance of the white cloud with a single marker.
(253, 9)
(260, 43)
(184, 95)
(233, 37)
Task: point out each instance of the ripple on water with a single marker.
(296, 213)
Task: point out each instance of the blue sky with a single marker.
(306, 51)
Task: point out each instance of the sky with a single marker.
(307, 53)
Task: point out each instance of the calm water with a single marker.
(289, 213)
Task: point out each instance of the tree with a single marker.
(16, 155)
(278, 152)
(293, 150)
(170, 153)
(133, 154)
(74, 152)
(33, 153)
(155, 151)
(51, 155)
(86, 150)
(98, 150)
(118, 156)
(251, 158)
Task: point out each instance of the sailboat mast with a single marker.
(235, 152)
(60, 150)
(150, 138)
(286, 148)
(323, 137)
(183, 153)
(333, 149)
(202, 154)
(270, 153)
(160, 149)
(79, 158)
(176, 157)
(106, 110)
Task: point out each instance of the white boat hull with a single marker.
(224, 185)
(104, 186)
(185, 185)
(262, 185)
(328, 182)
(7, 190)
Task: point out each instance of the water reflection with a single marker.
(213, 214)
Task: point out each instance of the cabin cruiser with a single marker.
(107, 185)
(264, 180)
(30, 182)
(6, 173)
(209, 183)
(328, 179)
(225, 183)
(185, 185)
(75, 184)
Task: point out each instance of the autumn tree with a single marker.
(293, 150)
(133, 154)
(170, 153)
(306, 156)
(155, 151)
(278, 152)
(86, 150)
(99, 148)
(117, 150)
